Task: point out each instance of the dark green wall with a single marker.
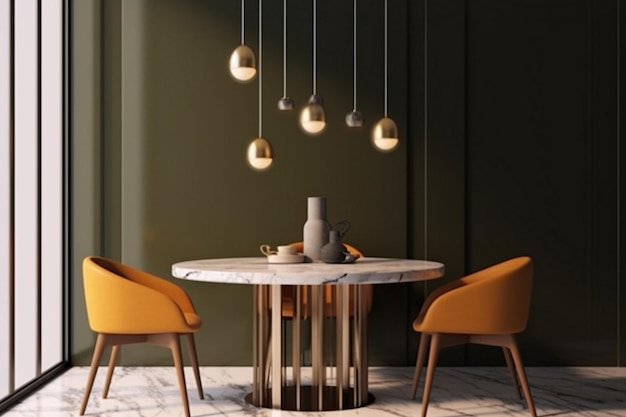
(509, 146)
(542, 173)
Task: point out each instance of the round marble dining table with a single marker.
(337, 377)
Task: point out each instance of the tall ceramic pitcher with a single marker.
(316, 228)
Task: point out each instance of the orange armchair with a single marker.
(126, 305)
(488, 307)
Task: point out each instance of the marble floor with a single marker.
(467, 391)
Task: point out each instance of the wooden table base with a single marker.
(345, 359)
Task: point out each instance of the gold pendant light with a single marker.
(385, 134)
(385, 131)
(242, 61)
(354, 118)
(313, 116)
(260, 154)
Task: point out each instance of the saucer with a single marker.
(286, 259)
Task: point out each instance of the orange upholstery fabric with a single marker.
(126, 305)
(487, 307)
(124, 300)
(495, 300)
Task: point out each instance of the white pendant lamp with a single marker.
(313, 116)
(354, 118)
(260, 154)
(385, 131)
(285, 102)
(242, 61)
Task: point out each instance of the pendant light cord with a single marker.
(618, 153)
(260, 68)
(314, 46)
(385, 58)
(425, 132)
(354, 59)
(243, 22)
(284, 48)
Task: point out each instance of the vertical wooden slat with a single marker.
(256, 379)
(317, 345)
(343, 343)
(356, 348)
(361, 314)
(264, 354)
(276, 348)
(295, 351)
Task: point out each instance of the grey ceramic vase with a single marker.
(316, 228)
(334, 252)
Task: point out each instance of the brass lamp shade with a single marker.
(385, 134)
(243, 63)
(313, 116)
(260, 154)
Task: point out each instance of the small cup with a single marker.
(286, 250)
(283, 250)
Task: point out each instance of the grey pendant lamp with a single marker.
(242, 63)
(285, 102)
(354, 118)
(313, 116)
(260, 154)
(385, 131)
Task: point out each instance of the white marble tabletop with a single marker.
(258, 271)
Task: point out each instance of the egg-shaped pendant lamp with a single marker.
(385, 131)
(313, 116)
(242, 63)
(385, 134)
(260, 154)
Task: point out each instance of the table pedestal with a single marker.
(338, 371)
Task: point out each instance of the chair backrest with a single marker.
(494, 300)
(125, 300)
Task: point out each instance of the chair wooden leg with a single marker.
(101, 343)
(430, 372)
(191, 348)
(512, 373)
(174, 345)
(419, 362)
(112, 360)
(517, 358)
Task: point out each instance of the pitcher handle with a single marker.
(346, 227)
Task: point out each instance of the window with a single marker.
(33, 333)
